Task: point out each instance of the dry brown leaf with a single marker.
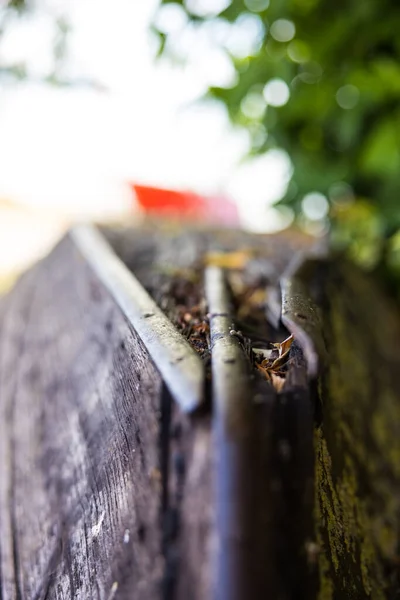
(264, 371)
(286, 344)
(228, 260)
(284, 347)
(277, 381)
(278, 362)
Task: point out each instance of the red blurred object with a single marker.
(186, 205)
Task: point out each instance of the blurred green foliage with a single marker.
(14, 12)
(322, 81)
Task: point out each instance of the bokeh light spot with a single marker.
(170, 18)
(276, 92)
(311, 72)
(341, 193)
(256, 5)
(298, 51)
(206, 8)
(315, 206)
(347, 96)
(246, 36)
(253, 105)
(283, 30)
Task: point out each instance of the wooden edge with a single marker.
(179, 365)
(300, 315)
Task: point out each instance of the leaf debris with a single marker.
(273, 366)
(229, 260)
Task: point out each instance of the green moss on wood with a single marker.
(358, 445)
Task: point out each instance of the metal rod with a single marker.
(180, 366)
(241, 563)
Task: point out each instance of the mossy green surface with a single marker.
(358, 443)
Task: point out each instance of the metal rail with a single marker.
(179, 365)
(238, 480)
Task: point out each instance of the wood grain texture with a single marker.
(107, 489)
(358, 441)
(191, 516)
(79, 433)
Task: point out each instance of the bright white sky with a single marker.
(69, 152)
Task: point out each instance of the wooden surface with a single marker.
(80, 430)
(106, 488)
(357, 441)
(280, 475)
(104, 485)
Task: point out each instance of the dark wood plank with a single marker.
(106, 488)
(191, 510)
(80, 429)
(357, 442)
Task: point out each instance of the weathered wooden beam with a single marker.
(357, 440)
(107, 488)
(79, 433)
